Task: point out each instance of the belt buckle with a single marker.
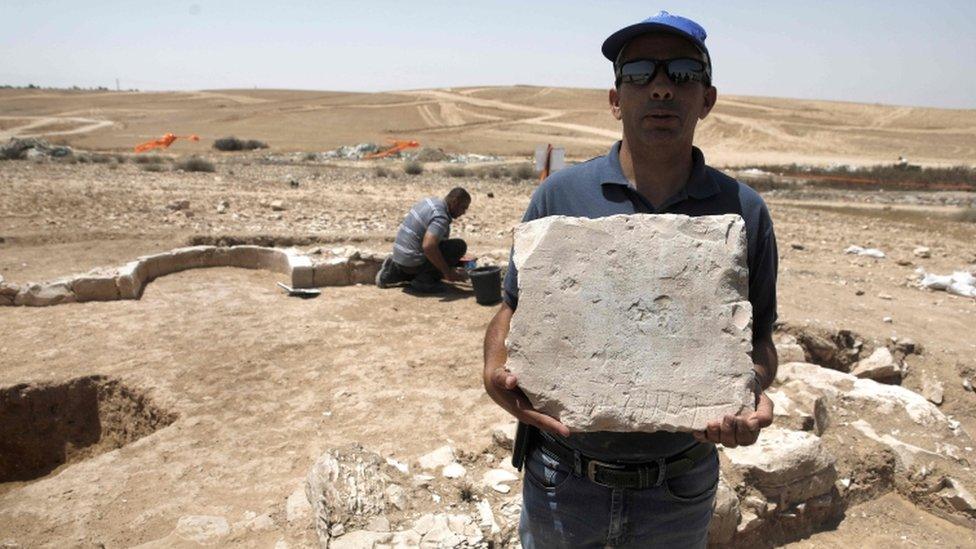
(591, 470)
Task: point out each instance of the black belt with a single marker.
(636, 476)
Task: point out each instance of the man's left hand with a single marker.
(740, 430)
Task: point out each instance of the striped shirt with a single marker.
(428, 215)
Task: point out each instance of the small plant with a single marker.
(195, 164)
(523, 172)
(413, 168)
(383, 172)
(153, 167)
(456, 171)
(147, 159)
(234, 144)
(311, 157)
(96, 158)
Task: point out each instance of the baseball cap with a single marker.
(661, 22)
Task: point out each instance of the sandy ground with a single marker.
(262, 383)
(509, 121)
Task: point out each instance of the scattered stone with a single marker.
(297, 507)
(260, 523)
(202, 529)
(453, 470)
(932, 390)
(436, 459)
(589, 288)
(497, 479)
(886, 297)
(486, 517)
(785, 466)
(887, 320)
(956, 495)
(345, 488)
(904, 263)
(223, 206)
(359, 539)
(396, 497)
(869, 252)
(859, 292)
(504, 434)
(922, 251)
(178, 205)
(725, 514)
(378, 524)
(277, 206)
(906, 454)
(967, 384)
(491, 195)
(398, 465)
(796, 246)
(880, 366)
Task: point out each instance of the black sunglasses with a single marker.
(679, 70)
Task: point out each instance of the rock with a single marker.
(504, 434)
(396, 497)
(785, 466)
(378, 524)
(260, 523)
(887, 320)
(359, 539)
(790, 352)
(590, 288)
(453, 470)
(497, 479)
(880, 366)
(725, 514)
(95, 287)
(223, 206)
(486, 519)
(277, 206)
(345, 488)
(42, 295)
(905, 454)
(796, 246)
(436, 459)
(202, 529)
(406, 539)
(297, 507)
(178, 205)
(932, 390)
(922, 251)
(957, 496)
(967, 384)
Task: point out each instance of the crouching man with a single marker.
(423, 254)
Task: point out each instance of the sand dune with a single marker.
(499, 120)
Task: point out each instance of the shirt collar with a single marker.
(700, 184)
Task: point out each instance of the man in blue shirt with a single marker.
(640, 489)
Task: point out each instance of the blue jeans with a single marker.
(560, 509)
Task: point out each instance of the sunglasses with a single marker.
(680, 70)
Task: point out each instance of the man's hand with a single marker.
(455, 275)
(502, 386)
(740, 430)
(507, 394)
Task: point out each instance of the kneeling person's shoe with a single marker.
(387, 274)
(427, 286)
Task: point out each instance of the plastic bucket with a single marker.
(487, 284)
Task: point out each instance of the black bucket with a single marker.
(487, 283)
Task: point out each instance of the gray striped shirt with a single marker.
(428, 215)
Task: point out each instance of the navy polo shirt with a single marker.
(598, 188)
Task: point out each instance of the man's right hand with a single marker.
(455, 275)
(507, 394)
(502, 385)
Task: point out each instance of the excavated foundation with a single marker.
(44, 426)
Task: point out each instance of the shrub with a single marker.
(311, 157)
(96, 158)
(195, 164)
(456, 171)
(153, 167)
(523, 171)
(413, 168)
(966, 216)
(147, 159)
(383, 172)
(234, 144)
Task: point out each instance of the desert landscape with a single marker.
(206, 407)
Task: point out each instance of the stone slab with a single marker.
(633, 322)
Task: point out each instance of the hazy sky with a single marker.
(894, 52)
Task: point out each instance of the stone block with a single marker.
(363, 271)
(725, 514)
(302, 273)
(131, 279)
(332, 272)
(633, 322)
(880, 366)
(42, 295)
(787, 467)
(95, 287)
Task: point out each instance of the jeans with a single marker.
(560, 509)
(453, 249)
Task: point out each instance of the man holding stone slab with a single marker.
(659, 337)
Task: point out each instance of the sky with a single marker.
(890, 52)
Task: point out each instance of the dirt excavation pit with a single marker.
(44, 426)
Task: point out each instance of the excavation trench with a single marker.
(46, 425)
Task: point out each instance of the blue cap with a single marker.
(662, 22)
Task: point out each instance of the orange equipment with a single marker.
(163, 142)
(396, 147)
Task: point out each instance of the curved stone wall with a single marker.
(128, 281)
